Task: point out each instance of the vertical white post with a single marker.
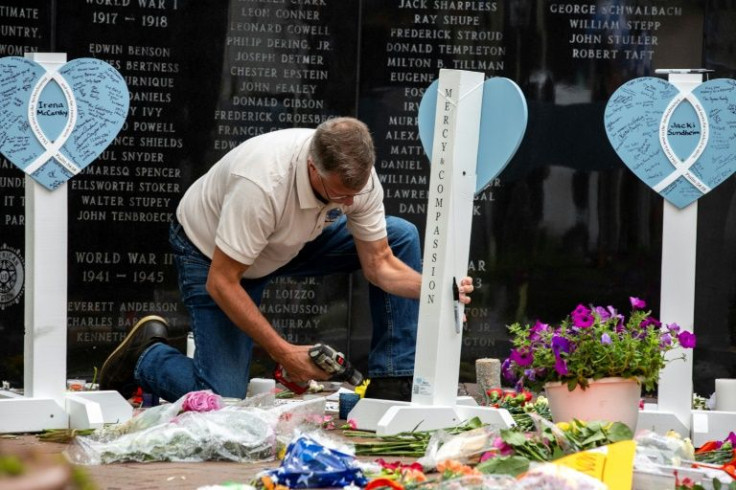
(45, 404)
(447, 236)
(46, 279)
(679, 238)
(434, 403)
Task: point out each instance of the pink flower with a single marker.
(687, 339)
(583, 320)
(731, 438)
(503, 448)
(201, 401)
(487, 455)
(636, 303)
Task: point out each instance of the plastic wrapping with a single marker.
(177, 432)
(475, 482)
(662, 450)
(550, 476)
(227, 434)
(463, 447)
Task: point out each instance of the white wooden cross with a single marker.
(673, 410)
(434, 403)
(45, 404)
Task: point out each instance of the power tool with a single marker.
(327, 359)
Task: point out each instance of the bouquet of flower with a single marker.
(593, 343)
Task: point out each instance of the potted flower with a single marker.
(594, 350)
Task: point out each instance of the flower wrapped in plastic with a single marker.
(197, 427)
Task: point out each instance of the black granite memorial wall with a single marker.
(564, 223)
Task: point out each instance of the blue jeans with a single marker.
(223, 355)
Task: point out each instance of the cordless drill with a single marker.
(327, 359)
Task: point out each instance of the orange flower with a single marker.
(413, 475)
(269, 484)
(453, 467)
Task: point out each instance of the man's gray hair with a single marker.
(343, 145)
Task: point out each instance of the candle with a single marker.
(258, 386)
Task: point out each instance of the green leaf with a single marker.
(513, 438)
(595, 437)
(472, 423)
(572, 384)
(557, 453)
(620, 432)
(504, 465)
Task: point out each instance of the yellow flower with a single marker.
(360, 389)
(565, 426)
(281, 452)
(673, 434)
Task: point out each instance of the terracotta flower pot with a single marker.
(609, 399)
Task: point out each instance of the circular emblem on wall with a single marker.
(12, 276)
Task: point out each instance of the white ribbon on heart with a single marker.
(52, 149)
(682, 168)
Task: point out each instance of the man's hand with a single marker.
(465, 288)
(297, 364)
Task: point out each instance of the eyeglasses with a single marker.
(362, 192)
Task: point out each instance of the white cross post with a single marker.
(673, 410)
(45, 404)
(434, 402)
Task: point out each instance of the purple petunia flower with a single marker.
(687, 339)
(580, 310)
(665, 340)
(674, 328)
(583, 321)
(522, 357)
(530, 374)
(650, 320)
(506, 371)
(560, 344)
(538, 327)
(604, 313)
(731, 438)
(606, 339)
(636, 303)
(560, 366)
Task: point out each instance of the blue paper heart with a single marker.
(502, 125)
(52, 125)
(681, 145)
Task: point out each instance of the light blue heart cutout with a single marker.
(53, 125)
(503, 121)
(681, 145)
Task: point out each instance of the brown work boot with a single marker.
(117, 371)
